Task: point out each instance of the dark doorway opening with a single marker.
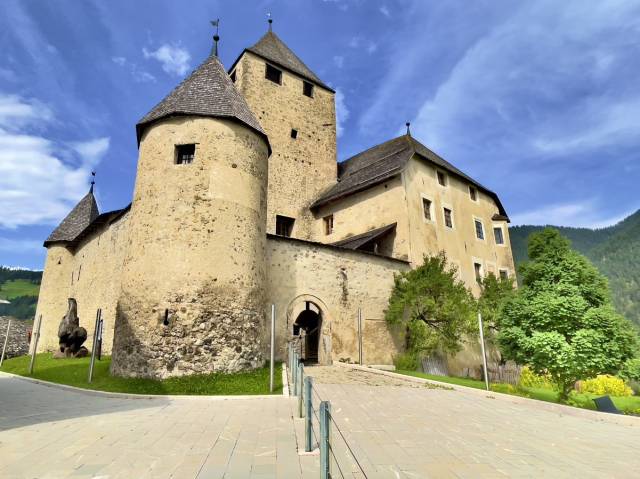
(307, 325)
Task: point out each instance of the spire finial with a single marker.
(216, 37)
(408, 128)
(93, 181)
(270, 20)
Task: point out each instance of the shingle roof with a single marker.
(81, 216)
(355, 242)
(383, 162)
(271, 48)
(208, 91)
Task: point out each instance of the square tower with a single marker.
(297, 111)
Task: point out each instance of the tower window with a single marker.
(477, 267)
(473, 193)
(294, 133)
(273, 74)
(284, 225)
(426, 208)
(307, 89)
(442, 178)
(185, 154)
(448, 218)
(328, 224)
(497, 232)
(479, 229)
(504, 274)
(233, 76)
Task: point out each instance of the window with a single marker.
(504, 274)
(185, 154)
(448, 218)
(497, 232)
(307, 89)
(473, 193)
(426, 207)
(328, 224)
(442, 178)
(477, 267)
(284, 225)
(479, 229)
(233, 76)
(273, 74)
(294, 133)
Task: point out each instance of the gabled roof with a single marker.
(81, 216)
(208, 91)
(357, 241)
(271, 48)
(385, 161)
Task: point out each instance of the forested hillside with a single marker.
(20, 287)
(614, 250)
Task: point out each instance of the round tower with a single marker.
(193, 284)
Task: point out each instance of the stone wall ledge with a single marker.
(560, 409)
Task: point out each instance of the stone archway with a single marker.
(308, 318)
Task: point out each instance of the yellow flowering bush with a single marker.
(606, 384)
(529, 379)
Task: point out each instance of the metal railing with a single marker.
(337, 458)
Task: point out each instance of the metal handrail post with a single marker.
(300, 382)
(325, 463)
(95, 345)
(294, 374)
(35, 345)
(484, 354)
(6, 339)
(308, 422)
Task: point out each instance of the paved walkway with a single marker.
(46, 432)
(411, 431)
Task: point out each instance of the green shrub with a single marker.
(606, 384)
(529, 379)
(631, 370)
(407, 362)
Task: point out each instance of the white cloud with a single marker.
(140, 76)
(16, 112)
(20, 246)
(584, 214)
(342, 112)
(338, 60)
(119, 60)
(174, 59)
(385, 11)
(41, 180)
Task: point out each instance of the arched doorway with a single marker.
(307, 327)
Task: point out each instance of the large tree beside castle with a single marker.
(561, 321)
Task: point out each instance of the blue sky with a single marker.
(538, 100)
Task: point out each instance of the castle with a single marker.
(239, 204)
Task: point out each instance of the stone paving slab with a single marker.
(53, 433)
(409, 431)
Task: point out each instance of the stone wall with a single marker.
(338, 282)
(18, 343)
(194, 273)
(300, 168)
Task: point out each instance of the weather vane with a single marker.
(270, 20)
(93, 180)
(216, 37)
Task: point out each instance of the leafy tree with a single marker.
(495, 292)
(435, 307)
(561, 320)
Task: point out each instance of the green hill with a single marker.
(614, 250)
(20, 287)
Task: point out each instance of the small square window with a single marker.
(294, 133)
(497, 232)
(233, 76)
(273, 74)
(426, 208)
(479, 229)
(307, 89)
(477, 267)
(185, 154)
(448, 218)
(442, 178)
(328, 224)
(504, 274)
(473, 193)
(284, 225)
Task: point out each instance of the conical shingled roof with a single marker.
(208, 91)
(81, 216)
(271, 48)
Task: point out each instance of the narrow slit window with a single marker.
(284, 225)
(473, 193)
(307, 89)
(273, 74)
(448, 218)
(185, 154)
(479, 229)
(294, 133)
(504, 274)
(233, 76)
(328, 225)
(426, 208)
(477, 267)
(442, 178)
(165, 321)
(497, 232)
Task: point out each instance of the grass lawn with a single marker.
(627, 404)
(74, 372)
(18, 287)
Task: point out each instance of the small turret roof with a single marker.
(271, 48)
(81, 216)
(208, 91)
